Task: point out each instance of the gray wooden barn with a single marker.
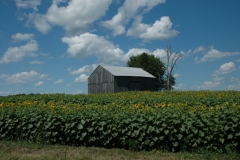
(105, 79)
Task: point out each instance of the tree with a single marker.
(172, 59)
(152, 65)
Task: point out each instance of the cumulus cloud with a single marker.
(21, 37)
(36, 62)
(233, 79)
(81, 78)
(15, 54)
(225, 68)
(210, 84)
(199, 49)
(84, 69)
(135, 52)
(28, 4)
(161, 53)
(176, 75)
(90, 44)
(160, 30)
(24, 77)
(179, 86)
(4, 75)
(76, 17)
(214, 54)
(58, 81)
(39, 83)
(40, 22)
(129, 10)
(215, 83)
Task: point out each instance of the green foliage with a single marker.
(173, 121)
(152, 65)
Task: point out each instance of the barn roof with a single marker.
(127, 71)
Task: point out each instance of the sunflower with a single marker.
(162, 104)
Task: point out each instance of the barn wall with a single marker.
(100, 81)
(134, 84)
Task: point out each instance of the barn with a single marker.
(113, 79)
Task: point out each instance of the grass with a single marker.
(28, 151)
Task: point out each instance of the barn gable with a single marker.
(105, 79)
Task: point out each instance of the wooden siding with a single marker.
(100, 81)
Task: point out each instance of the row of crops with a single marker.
(174, 120)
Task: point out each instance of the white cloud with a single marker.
(58, 81)
(40, 22)
(106, 52)
(5, 92)
(21, 37)
(4, 75)
(176, 75)
(215, 82)
(238, 60)
(199, 49)
(24, 77)
(161, 53)
(28, 4)
(161, 29)
(214, 54)
(129, 10)
(135, 52)
(90, 44)
(76, 17)
(36, 62)
(81, 78)
(84, 69)
(15, 54)
(235, 80)
(179, 86)
(225, 68)
(39, 83)
(234, 87)
(209, 85)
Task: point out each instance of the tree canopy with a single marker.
(154, 66)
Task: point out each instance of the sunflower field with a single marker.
(169, 120)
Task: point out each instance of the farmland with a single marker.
(174, 120)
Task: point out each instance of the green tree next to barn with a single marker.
(154, 66)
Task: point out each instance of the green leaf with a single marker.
(161, 137)
(83, 122)
(54, 133)
(80, 126)
(147, 142)
(84, 134)
(151, 144)
(155, 139)
(226, 128)
(179, 136)
(166, 131)
(221, 140)
(195, 131)
(201, 134)
(182, 128)
(175, 144)
(230, 136)
(238, 134)
(30, 126)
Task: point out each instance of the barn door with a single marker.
(134, 85)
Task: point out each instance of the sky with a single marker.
(52, 46)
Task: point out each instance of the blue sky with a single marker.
(52, 46)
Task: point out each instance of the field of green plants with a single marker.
(169, 120)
